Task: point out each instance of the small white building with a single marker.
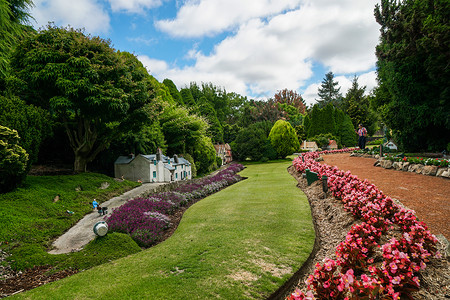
(152, 168)
(310, 146)
(391, 145)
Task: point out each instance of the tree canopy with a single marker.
(96, 92)
(329, 92)
(413, 73)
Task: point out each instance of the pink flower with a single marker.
(396, 280)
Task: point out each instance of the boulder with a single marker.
(377, 156)
(412, 167)
(440, 171)
(397, 165)
(405, 166)
(430, 170)
(446, 174)
(419, 168)
(377, 163)
(387, 164)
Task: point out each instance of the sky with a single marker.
(251, 47)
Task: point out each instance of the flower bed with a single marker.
(364, 267)
(145, 219)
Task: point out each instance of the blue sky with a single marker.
(251, 47)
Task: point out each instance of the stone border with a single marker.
(437, 171)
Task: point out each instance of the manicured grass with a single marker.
(30, 219)
(241, 243)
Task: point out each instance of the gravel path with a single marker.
(429, 196)
(82, 233)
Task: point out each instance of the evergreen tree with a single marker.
(284, 138)
(329, 92)
(412, 67)
(176, 95)
(187, 97)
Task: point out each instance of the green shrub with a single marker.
(13, 160)
(218, 161)
(375, 142)
(284, 138)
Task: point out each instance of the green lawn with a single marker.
(241, 243)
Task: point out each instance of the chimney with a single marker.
(175, 158)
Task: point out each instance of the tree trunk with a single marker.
(80, 164)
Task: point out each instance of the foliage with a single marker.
(283, 138)
(187, 97)
(32, 124)
(230, 132)
(329, 92)
(13, 160)
(94, 91)
(291, 98)
(215, 130)
(14, 13)
(322, 140)
(440, 162)
(251, 142)
(204, 155)
(413, 73)
(357, 107)
(176, 95)
(330, 120)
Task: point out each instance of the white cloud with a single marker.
(206, 17)
(263, 56)
(153, 66)
(86, 14)
(133, 6)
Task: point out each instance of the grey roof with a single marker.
(123, 160)
(169, 167)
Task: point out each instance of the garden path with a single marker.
(429, 196)
(82, 233)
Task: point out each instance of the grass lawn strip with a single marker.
(240, 243)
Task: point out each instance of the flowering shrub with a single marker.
(145, 219)
(354, 275)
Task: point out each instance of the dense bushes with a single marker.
(13, 160)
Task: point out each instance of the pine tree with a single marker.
(329, 92)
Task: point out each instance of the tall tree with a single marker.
(292, 98)
(176, 95)
(413, 72)
(95, 92)
(357, 107)
(329, 92)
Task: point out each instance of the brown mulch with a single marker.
(332, 222)
(429, 196)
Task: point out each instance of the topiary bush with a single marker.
(13, 160)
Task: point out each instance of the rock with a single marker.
(446, 174)
(377, 156)
(320, 158)
(419, 168)
(430, 170)
(353, 154)
(104, 185)
(387, 164)
(405, 166)
(56, 199)
(445, 244)
(397, 165)
(412, 167)
(440, 171)
(377, 163)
